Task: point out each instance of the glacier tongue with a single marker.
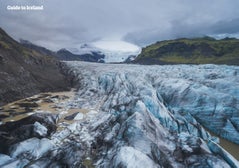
(208, 94)
(158, 110)
(142, 116)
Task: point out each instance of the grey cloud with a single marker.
(64, 23)
(228, 26)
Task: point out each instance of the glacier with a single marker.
(114, 51)
(139, 116)
(208, 94)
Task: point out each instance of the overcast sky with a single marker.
(65, 23)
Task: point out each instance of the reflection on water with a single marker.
(44, 102)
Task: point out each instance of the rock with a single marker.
(72, 116)
(189, 144)
(36, 125)
(2, 116)
(39, 129)
(28, 104)
(1, 59)
(79, 116)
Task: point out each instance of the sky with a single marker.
(68, 23)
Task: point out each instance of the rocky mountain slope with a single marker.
(134, 116)
(24, 71)
(66, 55)
(41, 50)
(191, 51)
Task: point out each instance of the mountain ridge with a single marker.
(66, 55)
(204, 50)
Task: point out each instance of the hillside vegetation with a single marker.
(204, 50)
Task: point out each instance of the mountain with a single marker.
(41, 50)
(204, 50)
(64, 54)
(107, 51)
(87, 52)
(92, 56)
(130, 59)
(25, 71)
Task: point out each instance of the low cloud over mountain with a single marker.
(66, 24)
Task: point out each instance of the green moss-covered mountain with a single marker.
(204, 50)
(25, 72)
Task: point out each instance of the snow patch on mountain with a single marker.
(117, 51)
(81, 49)
(114, 51)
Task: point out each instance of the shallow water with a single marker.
(231, 147)
(43, 102)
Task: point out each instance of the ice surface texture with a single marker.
(163, 107)
(141, 116)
